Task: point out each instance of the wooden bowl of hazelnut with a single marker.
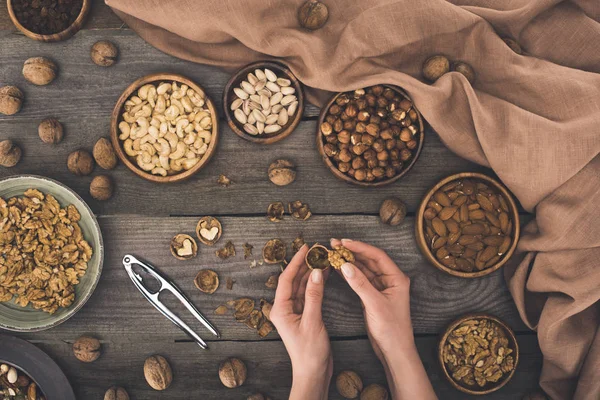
(48, 21)
(468, 225)
(478, 353)
(263, 102)
(164, 128)
(370, 137)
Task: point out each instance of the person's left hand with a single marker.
(297, 316)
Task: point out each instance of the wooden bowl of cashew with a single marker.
(164, 128)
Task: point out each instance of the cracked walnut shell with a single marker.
(274, 251)
(317, 257)
(299, 210)
(275, 211)
(209, 230)
(207, 281)
(183, 247)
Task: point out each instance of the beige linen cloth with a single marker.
(534, 119)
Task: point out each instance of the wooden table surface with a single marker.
(142, 217)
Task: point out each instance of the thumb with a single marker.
(359, 283)
(313, 298)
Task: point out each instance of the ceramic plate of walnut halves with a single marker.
(51, 253)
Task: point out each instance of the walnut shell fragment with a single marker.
(317, 257)
(207, 281)
(274, 251)
(339, 256)
(224, 181)
(243, 307)
(297, 244)
(232, 372)
(221, 310)
(272, 281)
(227, 251)
(209, 230)
(349, 384)
(255, 319)
(265, 307)
(183, 247)
(247, 250)
(299, 210)
(275, 211)
(265, 328)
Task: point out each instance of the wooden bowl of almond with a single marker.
(478, 353)
(164, 128)
(263, 102)
(468, 225)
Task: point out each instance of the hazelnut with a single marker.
(207, 281)
(104, 154)
(374, 392)
(360, 175)
(514, 46)
(87, 349)
(80, 163)
(11, 100)
(282, 172)
(232, 373)
(349, 384)
(351, 110)
(116, 393)
(343, 137)
(313, 15)
(104, 53)
(326, 128)
(10, 153)
(465, 69)
(50, 131)
(101, 188)
(434, 67)
(392, 211)
(183, 247)
(157, 372)
(39, 70)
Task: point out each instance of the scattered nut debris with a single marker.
(272, 281)
(87, 349)
(299, 210)
(392, 211)
(317, 257)
(282, 172)
(297, 244)
(224, 181)
(11, 100)
(227, 251)
(274, 251)
(243, 307)
(104, 53)
(254, 319)
(183, 247)
(434, 67)
(101, 187)
(265, 328)
(39, 70)
(374, 392)
(229, 283)
(50, 131)
(209, 230)
(232, 372)
(247, 250)
(348, 384)
(221, 310)
(313, 15)
(245, 312)
(478, 352)
(10, 153)
(265, 307)
(339, 256)
(157, 372)
(255, 263)
(207, 281)
(275, 211)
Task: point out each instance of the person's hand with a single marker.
(384, 291)
(297, 316)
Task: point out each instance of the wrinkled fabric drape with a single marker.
(533, 118)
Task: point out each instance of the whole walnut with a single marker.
(10, 153)
(157, 372)
(101, 188)
(116, 393)
(104, 53)
(374, 392)
(349, 384)
(11, 100)
(39, 70)
(87, 349)
(434, 67)
(51, 131)
(232, 372)
(104, 154)
(80, 163)
(392, 211)
(282, 172)
(313, 14)
(465, 69)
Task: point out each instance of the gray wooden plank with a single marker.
(244, 162)
(269, 369)
(100, 17)
(83, 89)
(117, 309)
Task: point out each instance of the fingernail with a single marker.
(316, 276)
(346, 240)
(348, 270)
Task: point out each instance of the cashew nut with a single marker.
(147, 139)
(163, 88)
(148, 148)
(175, 165)
(143, 124)
(179, 152)
(125, 128)
(182, 123)
(128, 147)
(205, 136)
(171, 113)
(164, 161)
(173, 139)
(159, 171)
(165, 148)
(190, 138)
(144, 165)
(189, 162)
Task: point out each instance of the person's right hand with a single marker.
(384, 291)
